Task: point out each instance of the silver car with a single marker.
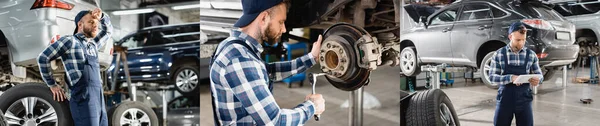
(28, 26)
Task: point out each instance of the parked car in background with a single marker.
(584, 14)
(181, 111)
(468, 33)
(167, 54)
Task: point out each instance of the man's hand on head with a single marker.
(96, 13)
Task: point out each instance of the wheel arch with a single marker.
(487, 47)
(586, 32)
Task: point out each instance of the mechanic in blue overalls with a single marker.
(79, 53)
(507, 64)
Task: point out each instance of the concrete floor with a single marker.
(473, 102)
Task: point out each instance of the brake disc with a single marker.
(338, 58)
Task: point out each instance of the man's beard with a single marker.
(269, 37)
(89, 32)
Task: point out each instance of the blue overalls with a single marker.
(513, 99)
(87, 99)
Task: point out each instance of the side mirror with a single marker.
(423, 19)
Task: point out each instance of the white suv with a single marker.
(28, 26)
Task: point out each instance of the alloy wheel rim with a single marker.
(446, 115)
(31, 111)
(135, 117)
(187, 80)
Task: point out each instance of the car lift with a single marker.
(122, 57)
(438, 69)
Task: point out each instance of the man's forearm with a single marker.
(106, 32)
(285, 69)
(500, 79)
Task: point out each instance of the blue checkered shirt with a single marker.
(70, 49)
(496, 72)
(239, 83)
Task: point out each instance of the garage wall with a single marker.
(123, 24)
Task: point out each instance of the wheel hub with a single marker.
(333, 59)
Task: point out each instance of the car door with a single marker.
(434, 45)
(184, 111)
(134, 44)
(472, 29)
(156, 55)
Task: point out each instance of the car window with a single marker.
(475, 12)
(185, 34)
(448, 16)
(134, 41)
(497, 13)
(157, 38)
(183, 102)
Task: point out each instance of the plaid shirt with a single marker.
(239, 85)
(70, 50)
(496, 73)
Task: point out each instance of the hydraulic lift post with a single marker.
(355, 109)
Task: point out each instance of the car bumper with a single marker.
(559, 55)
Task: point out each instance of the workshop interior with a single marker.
(380, 62)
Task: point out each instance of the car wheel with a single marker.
(548, 73)
(409, 63)
(129, 113)
(32, 104)
(485, 68)
(186, 79)
(431, 108)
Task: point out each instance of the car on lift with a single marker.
(584, 14)
(167, 54)
(468, 33)
(358, 36)
(27, 27)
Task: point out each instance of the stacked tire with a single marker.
(16, 99)
(430, 108)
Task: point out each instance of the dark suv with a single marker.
(468, 32)
(166, 54)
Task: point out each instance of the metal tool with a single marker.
(313, 82)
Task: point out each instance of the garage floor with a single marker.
(473, 102)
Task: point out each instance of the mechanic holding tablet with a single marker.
(506, 66)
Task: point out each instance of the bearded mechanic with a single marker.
(79, 53)
(241, 83)
(507, 64)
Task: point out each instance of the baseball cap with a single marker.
(78, 18)
(252, 8)
(515, 27)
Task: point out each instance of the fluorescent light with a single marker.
(135, 11)
(181, 7)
